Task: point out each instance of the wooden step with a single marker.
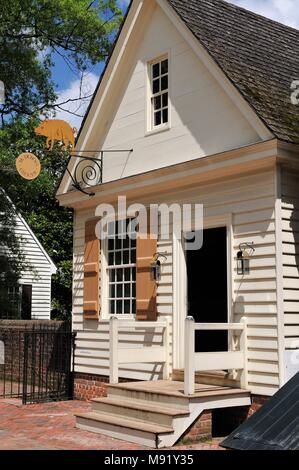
(134, 391)
(137, 409)
(220, 377)
(170, 392)
(131, 430)
(155, 413)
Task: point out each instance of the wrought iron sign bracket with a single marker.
(88, 171)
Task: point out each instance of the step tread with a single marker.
(125, 422)
(143, 406)
(177, 389)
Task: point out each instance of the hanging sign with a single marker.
(56, 131)
(28, 166)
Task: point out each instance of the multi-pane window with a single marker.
(14, 301)
(121, 261)
(17, 300)
(159, 93)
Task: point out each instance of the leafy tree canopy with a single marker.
(32, 32)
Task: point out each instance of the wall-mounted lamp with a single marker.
(243, 258)
(156, 267)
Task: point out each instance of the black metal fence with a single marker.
(38, 363)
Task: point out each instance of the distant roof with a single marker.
(275, 426)
(258, 55)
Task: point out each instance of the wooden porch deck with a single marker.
(176, 388)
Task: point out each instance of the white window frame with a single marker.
(151, 128)
(105, 285)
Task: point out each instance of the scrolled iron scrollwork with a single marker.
(87, 171)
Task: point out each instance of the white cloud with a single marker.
(78, 107)
(284, 11)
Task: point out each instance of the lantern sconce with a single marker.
(243, 258)
(156, 267)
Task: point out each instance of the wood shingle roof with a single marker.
(258, 55)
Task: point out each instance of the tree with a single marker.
(36, 201)
(31, 33)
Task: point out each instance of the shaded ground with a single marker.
(51, 426)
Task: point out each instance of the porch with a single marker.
(158, 413)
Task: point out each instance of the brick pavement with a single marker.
(51, 426)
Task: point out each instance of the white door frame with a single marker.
(180, 283)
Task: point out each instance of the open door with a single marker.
(207, 289)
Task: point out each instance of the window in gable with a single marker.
(159, 76)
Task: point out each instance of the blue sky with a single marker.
(284, 11)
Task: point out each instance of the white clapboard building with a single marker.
(194, 106)
(31, 297)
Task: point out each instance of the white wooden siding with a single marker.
(40, 276)
(92, 351)
(290, 237)
(200, 110)
(251, 202)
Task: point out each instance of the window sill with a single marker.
(158, 130)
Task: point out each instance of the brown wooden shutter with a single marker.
(91, 307)
(146, 288)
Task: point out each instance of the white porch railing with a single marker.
(147, 354)
(207, 361)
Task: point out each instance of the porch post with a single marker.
(166, 349)
(189, 356)
(113, 330)
(244, 349)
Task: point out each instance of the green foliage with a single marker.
(36, 201)
(32, 31)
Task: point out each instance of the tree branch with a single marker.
(70, 112)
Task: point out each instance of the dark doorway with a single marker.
(207, 288)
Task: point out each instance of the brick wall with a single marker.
(201, 429)
(88, 386)
(221, 422)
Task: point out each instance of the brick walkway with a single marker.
(51, 426)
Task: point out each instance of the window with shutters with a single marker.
(159, 93)
(120, 257)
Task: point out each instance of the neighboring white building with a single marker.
(33, 294)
